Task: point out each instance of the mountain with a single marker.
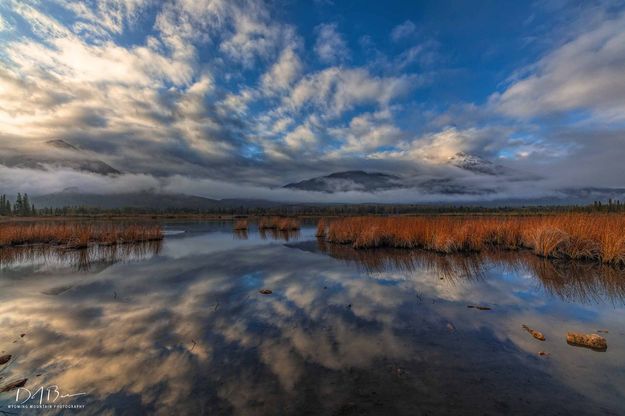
(61, 144)
(358, 180)
(60, 154)
(476, 164)
(352, 180)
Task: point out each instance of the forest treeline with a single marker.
(22, 206)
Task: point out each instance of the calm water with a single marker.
(180, 328)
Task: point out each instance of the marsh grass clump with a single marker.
(598, 237)
(240, 225)
(279, 223)
(322, 227)
(77, 235)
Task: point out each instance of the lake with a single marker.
(179, 327)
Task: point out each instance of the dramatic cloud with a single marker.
(336, 90)
(368, 132)
(585, 73)
(239, 91)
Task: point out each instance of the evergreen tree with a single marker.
(17, 207)
(25, 211)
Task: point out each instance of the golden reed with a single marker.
(599, 237)
(279, 223)
(77, 235)
(240, 225)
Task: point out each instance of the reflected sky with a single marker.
(184, 330)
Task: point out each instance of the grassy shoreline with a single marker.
(597, 237)
(278, 223)
(75, 234)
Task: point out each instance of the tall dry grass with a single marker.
(598, 237)
(322, 226)
(77, 235)
(240, 225)
(279, 223)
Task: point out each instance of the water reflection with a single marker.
(186, 332)
(81, 260)
(267, 234)
(273, 234)
(240, 234)
(577, 281)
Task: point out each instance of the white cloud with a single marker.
(4, 25)
(585, 73)
(336, 90)
(439, 146)
(281, 124)
(330, 46)
(403, 30)
(102, 18)
(283, 73)
(365, 133)
(250, 38)
(301, 137)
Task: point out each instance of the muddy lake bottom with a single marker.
(180, 327)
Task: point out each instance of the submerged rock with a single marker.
(478, 307)
(13, 385)
(5, 359)
(538, 335)
(592, 341)
(265, 292)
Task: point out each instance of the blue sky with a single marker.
(220, 98)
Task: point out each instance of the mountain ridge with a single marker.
(349, 180)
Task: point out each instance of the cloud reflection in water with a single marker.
(186, 332)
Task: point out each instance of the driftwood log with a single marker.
(538, 335)
(592, 341)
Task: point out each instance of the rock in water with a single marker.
(265, 292)
(592, 341)
(538, 335)
(478, 307)
(14, 385)
(5, 359)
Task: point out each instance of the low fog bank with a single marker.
(473, 189)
